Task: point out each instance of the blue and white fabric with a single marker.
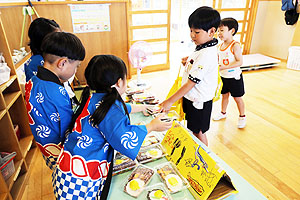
(88, 150)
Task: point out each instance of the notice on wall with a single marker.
(90, 17)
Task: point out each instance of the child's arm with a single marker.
(166, 105)
(158, 125)
(237, 52)
(139, 108)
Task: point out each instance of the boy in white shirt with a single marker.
(200, 78)
(230, 60)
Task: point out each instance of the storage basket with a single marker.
(7, 166)
(294, 58)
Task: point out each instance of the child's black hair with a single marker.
(62, 44)
(230, 23)
(101, 73)
(204, 18)
(37, 31)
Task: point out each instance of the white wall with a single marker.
(271, 35)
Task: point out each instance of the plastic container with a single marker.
(156, 192)
(122, 164)
(294, 58)
(171, 177)
(153, 152)
(138, 179)
(7, 166)
(151, 139)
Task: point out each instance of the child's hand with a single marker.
(184, 60)
(145, 111)
(166, 106)
(158, 125)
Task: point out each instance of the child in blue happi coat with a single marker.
(48, 104)
(100, 125)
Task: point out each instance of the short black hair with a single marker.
(63, 44)
(230, 23)
(37, 31)
(204, 18)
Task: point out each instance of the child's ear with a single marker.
(61, 62)
(212, 31)
(119, 82)
(232, 31)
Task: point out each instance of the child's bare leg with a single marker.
(225, 100)
(240, 104)
(202, 137)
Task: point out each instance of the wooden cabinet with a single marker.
(13, 112)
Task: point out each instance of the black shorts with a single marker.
(235, 87)
(197, 119)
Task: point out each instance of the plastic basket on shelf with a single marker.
(7, 166)
(294, 58)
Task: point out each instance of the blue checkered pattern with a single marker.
(67, 186)
(50, 161)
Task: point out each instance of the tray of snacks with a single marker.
(151, 139)
(138, 180)
(122, 164)
(150, 153)
(143, 97)
(156, 192)
(171, 177)
(132, 91)
(170, 116)
(153, 109)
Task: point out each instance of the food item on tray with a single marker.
(143, 97)
(149, 154)
(157, 194)
(149, 140)
(171, 179)
(122, 163)
(173, 182)
(137, 180)
(135, 187)
(153, 109)
(131, 91)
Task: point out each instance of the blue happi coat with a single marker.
(84, 162)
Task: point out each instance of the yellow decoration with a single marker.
(177, 106)
(195, 164)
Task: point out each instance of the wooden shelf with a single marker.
(3, 196)
(12, 107)
(10, 98)
(8, 83)
(19, 186)
(21, 62)
(2, 113)
(31, 155)
(11, 179)
(25, 144)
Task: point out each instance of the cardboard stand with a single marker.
(206, 178)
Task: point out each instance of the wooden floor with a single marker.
(266, 153)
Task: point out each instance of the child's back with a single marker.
(48, 104)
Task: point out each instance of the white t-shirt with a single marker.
(226, 57)
(202, 68)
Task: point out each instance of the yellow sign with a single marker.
(193, 162)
